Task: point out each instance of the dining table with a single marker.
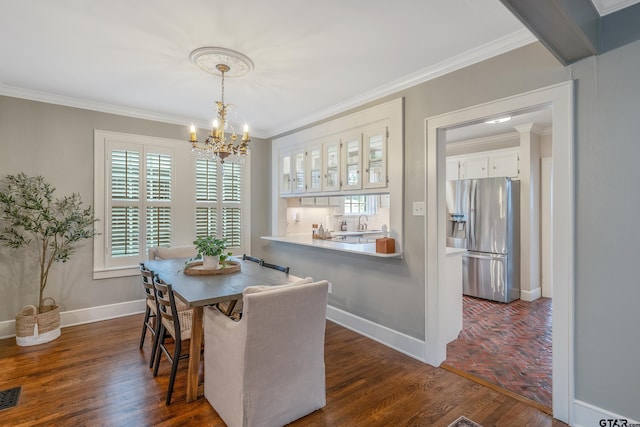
(201, 290)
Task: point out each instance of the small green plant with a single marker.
(31, 217)
(224, 259)
(210, 246)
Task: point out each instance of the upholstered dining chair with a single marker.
(268, 368)
(162, 252)
(173, 323)
(275, 267)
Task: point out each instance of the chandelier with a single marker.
(217, 145)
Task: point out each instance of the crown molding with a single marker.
(102, 107)
(605, 7)
(505, 44)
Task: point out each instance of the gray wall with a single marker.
(57, 142)
(607, 291)
(390, 292)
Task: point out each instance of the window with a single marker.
(152, 192)
(219, 207)
(361, 204)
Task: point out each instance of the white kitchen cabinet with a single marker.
(453, 169)
(504, 164)
(375, 157)
(331, 178)
(285, 173)
(299, 172)
(474, 167)
(352, 162)
(314, 169)
(487, 164)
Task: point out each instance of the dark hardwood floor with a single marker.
(94, 375)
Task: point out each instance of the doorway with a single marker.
(560, 100)
(509, 345)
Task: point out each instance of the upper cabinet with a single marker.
(314, 169)
(375, 149)
(299, 172)
(356, 153)
(331, 155)
(487, 164)
(285, 173)
(352, 162)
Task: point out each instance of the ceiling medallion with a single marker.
(208, 59)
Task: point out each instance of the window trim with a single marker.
(184, 200)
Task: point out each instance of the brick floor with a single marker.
(507, 344)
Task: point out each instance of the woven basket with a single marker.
(35, 328)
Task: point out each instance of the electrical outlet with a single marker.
(330, 287)
(418, 208)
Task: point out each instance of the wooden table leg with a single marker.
(194, 354)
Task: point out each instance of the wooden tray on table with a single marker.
(197, 269)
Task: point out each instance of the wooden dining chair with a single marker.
(250, 258)
(275, 267)
(173, 323)
(150, 313)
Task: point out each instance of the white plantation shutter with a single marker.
(140, 211)
(125, 199)
(231, 227)
(231, 204)
(153, 192)
(159, 179)
(219, 201)
(125, 231)
(158, 226)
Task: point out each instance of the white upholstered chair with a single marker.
(268, 368)
(161, 252)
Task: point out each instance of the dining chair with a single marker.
(275, 267)
(250, 258)
(233, 309)
(150, 313)
(173, 323)
(268, 368)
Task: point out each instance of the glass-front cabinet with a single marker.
(285, 173)
(299, 171)
(331, 151)
(314, 173)
(375, 149)
(352, 159)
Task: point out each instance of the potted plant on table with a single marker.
(212, 251)
(31, 218)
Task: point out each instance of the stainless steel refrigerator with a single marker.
(484, 217)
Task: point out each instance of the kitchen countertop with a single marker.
(305, 239)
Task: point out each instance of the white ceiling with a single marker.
(312, 59)
(540, 117)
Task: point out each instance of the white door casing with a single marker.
(560, 98)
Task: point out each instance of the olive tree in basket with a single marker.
(31, 217)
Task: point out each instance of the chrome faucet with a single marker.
(361, 226)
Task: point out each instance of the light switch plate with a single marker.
(418, 208)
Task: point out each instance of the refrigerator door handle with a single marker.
(471, 227)
(482, 255)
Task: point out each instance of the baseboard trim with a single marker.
(84, 315)
(587, 415)
(398, 341)
(530, 295)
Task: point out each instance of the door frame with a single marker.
(560, 98)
